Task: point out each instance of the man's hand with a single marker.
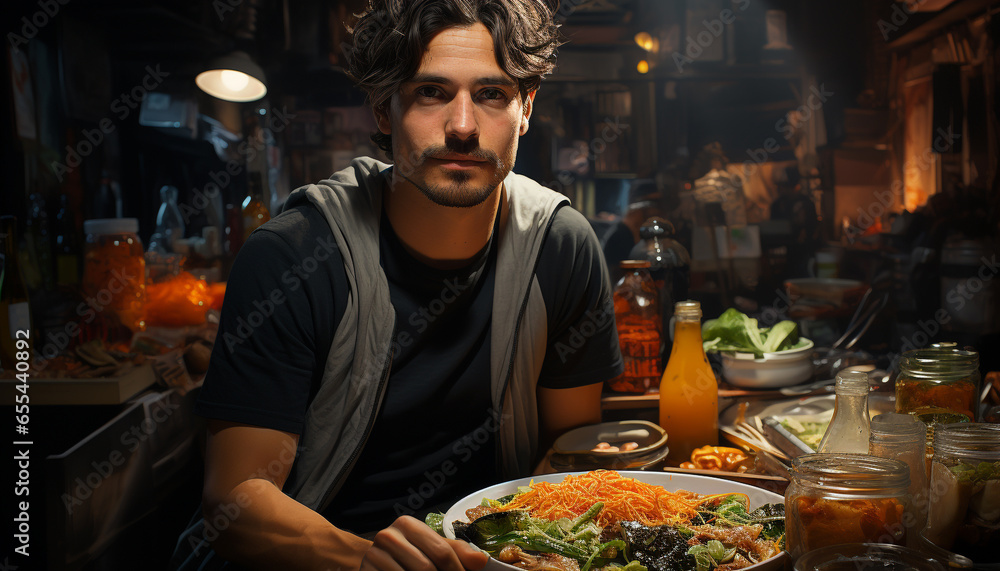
(409, 545)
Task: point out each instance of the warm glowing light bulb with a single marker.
(234, 80)
(642, 66)
(644, 41)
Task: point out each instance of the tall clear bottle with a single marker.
(850, 427)
(689, 393)
(15, 315)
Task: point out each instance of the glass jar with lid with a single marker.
(964, 511)
(939, 384)
(637, 318)
(845, 498)
(902, 437)
(114, 272)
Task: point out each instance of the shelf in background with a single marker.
(952, 14)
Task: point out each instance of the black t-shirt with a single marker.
(431, 443)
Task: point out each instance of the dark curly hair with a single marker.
(390, 37)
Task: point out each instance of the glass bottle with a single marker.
(169, 222)
(669, 263)
(15, 314)
(637, 318)
(964, 511)
(845, 498)
(902, 437)
(108, 202)
(849, 429)
(255, 210)
(689, 392)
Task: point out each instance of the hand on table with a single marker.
(409, 545)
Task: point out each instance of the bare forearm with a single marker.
(260, 527)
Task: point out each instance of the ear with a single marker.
(529, 103)
(382, 118)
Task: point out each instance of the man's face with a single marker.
(455, 124)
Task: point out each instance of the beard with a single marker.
(458, 190)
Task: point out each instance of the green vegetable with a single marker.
(710, 555)
(734, 331)
(587, 516)
(808, 431)
(435, 521)
(772, 517)
(731, 510)
(493, 525)
(783, 334)
(969, 474)
(538, 542)
(614, 546)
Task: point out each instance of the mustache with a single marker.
(470, 148)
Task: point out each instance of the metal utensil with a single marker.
(806, 389)
(785, 440)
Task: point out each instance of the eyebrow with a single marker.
(491, 80)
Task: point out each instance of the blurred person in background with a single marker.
(800, 211)
(621, 235)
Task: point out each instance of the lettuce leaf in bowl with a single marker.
(736, 332)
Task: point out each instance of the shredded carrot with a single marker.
(625, 499)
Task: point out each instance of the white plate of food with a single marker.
(681, 495)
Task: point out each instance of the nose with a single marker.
(462, 123)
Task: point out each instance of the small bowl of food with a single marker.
(770, 370)
(758, 357)
(623, 440)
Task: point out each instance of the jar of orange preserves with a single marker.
(939, 385)
(846, 498)
(114, 271)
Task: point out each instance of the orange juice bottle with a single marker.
(689, 393)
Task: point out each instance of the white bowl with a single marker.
(780, 369)
(670, 481)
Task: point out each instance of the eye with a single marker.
(493, 94)
(429, 91)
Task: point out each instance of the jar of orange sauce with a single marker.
(114, 271)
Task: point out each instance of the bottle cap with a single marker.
(852, 383)
(689, 308)
(111, 226)
(634, 264)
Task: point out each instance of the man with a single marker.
(402, 336)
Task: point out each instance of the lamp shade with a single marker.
(233, 77)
